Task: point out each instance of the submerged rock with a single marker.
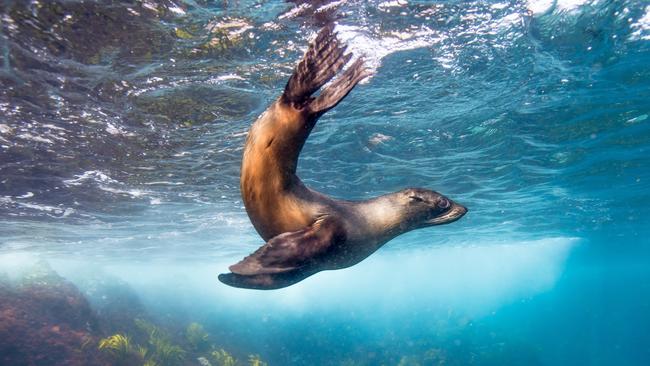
(45, 320)
(113, 300)
(89, 32)
(194, 105)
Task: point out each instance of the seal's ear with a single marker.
(292, 250)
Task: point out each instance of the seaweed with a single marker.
(86, 31)
(161, 350)
(119, 346)
(222, 358)
(256, 360)
(165, 352)
(409, 361)
(197, 337)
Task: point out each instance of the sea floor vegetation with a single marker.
(46, 319)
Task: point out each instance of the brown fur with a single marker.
(268, 171)
(306, 231)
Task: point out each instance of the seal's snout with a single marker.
(457, 211)
(430, 208)
(462, 210)
(454, 213)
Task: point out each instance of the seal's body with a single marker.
(306, 231)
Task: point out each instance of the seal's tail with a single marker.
(324, 59)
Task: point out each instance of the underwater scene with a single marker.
(122, 130)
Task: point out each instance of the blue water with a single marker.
(122, 127)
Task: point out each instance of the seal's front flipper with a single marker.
(265, 281)
(291, 251)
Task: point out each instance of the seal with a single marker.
(305, 231)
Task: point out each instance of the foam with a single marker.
(475, 279)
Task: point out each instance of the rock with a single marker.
(115, 303)
(45, 320)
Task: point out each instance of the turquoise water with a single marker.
(122, 126)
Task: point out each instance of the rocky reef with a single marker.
(47, 320)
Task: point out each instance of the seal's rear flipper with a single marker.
(335, 92)
(324, 59)
(291, 251)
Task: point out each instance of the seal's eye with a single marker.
(443, 203)
(416, 199)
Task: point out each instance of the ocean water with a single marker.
(122, 125)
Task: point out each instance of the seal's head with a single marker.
(423, 207)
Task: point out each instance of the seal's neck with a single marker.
(384, 216)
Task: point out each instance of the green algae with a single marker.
(160, 349)
(119, 346)
(256, 360)
(194, 105)
(183, 34)
(197, 337)
(221, 357)
(83, 30)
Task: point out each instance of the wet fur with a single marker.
(306, 231)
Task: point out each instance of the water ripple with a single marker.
(122, 126)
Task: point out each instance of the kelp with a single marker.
(221, 357)
(161, 350)
(119, 345)
(197, 337)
